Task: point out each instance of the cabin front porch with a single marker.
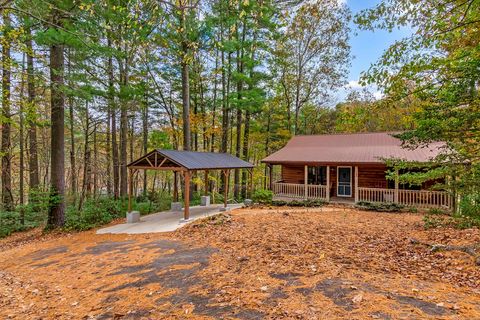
(351, 184)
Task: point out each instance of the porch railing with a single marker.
(376, 195)
(297, 191)
(425, 198)
(414, 198)
(315, 191)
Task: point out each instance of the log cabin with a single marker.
(351, 168)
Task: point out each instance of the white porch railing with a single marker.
(376, 195)
(413, 198)
(425, 198)
(315, 191)
(297, 191)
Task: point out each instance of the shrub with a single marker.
(470, 206)
(299, 203)
(95, 212)
(380, 206)
(435, 221)
(436, 211)
(468, 215)
(34, 214)
(262, 196)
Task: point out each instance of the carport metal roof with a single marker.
(188, 160)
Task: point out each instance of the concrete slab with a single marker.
(166, 221)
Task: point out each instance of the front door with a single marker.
(344, 182)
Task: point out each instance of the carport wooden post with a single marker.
(225, 192)
(130, 189)
(175, 186)
(186, 195)
(251, 182)
(206, 183)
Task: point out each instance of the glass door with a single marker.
(344, 182)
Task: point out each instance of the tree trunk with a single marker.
(32, 126)
(108, 151)
(185, 84)
(224, 107)
(145, 140)
(246, 136)
(132, 138)
(21, 133)
(214, 107)
(240, 56)
(123, 133)
(87, 172)
(7, 197)
(56, 214)
(73, 166)
(95, 161)
(113, 123)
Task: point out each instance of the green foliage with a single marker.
(468, 215)
(159, 140)
(433, 221)
(436, 211)
(469, 207)
(9, 223)
(103, 210)
(380, 206)
(436, 71)
(299, 203)
(262, 196)
(95, 212)
(33, 214)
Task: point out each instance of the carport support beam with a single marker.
(225, 192)
(206, 183)
(186, 196)
(175, 186)
(250, 171)
(130, 189)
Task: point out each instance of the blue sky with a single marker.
(367, 46)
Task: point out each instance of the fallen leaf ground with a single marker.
(328, 263)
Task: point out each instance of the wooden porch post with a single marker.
(356, 184)
(130, 189)
(395, 197)
(206, 183)
(175, 186)
(186, 196)
(327, 192)
(225, 192)
(305, 181)
(251, 182)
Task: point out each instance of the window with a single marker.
(406, 186)
(317, 175)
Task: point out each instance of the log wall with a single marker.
(372, 176)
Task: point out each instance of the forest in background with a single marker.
(88, 86)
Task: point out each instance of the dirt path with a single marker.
(328, 263)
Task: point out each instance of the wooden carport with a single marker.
(186, 163)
